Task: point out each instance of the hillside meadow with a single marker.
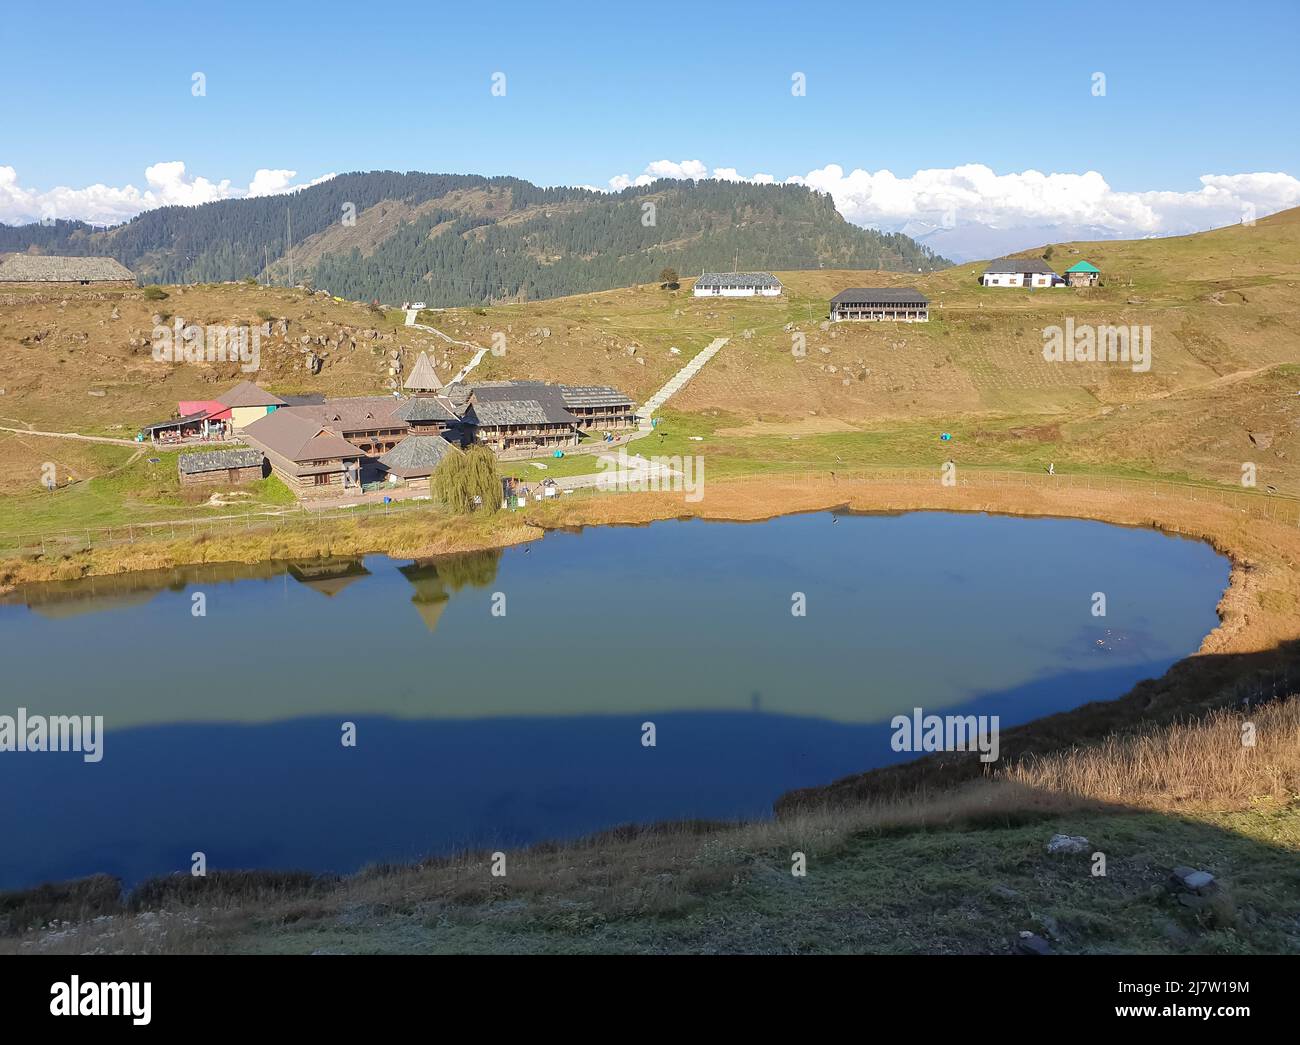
(787, 391)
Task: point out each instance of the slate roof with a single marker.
(422, 378)
(593, 395)
(457, 397)
(880, 296)
(297, 438)
(219, 461)
(248, 394)
(758, 280)
(1083, 266)
(1024, 266)
(426, 408)
(37, 268)
(512, 412)
(417, 456)
(518, 403)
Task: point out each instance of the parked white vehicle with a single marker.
(418, 304)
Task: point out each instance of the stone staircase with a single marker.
(648, 408)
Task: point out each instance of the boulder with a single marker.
(1190, 880)
(1067, 844)
(1032, 943)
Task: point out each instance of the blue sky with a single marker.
(598, 90)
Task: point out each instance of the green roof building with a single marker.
(1083, 274)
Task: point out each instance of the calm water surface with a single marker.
(222, 732)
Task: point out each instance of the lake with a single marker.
(501, 698)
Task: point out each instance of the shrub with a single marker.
(154, 293)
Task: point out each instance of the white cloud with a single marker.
(968, 195)
(167, 184)
(974, 194)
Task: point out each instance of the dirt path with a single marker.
(479, 350)
(73, 435)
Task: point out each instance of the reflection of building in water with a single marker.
(431, 596)
(59, 599)
(435, 579)
(329, 577)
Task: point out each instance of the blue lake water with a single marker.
(223, 731)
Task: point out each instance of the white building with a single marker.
(737, 285)
(1020, 272)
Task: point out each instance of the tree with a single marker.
(468, 481)
(482, 478)
(668, 279)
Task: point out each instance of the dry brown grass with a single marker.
(410, 534)
(1198, 765)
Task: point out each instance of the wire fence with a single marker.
(1255, 504)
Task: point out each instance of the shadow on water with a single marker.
(288, 794)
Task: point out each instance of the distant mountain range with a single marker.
(452, 239)
(973, 242)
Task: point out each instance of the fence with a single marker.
(1259, 505)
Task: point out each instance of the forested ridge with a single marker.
(477, 239)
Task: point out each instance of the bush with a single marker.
(154, 293)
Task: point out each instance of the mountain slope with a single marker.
(467, 239)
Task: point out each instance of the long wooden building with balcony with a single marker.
(599, 407)
(880, 305)
(520, 415)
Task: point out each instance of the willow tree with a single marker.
(468, 481)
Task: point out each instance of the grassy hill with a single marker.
(1223, 307)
